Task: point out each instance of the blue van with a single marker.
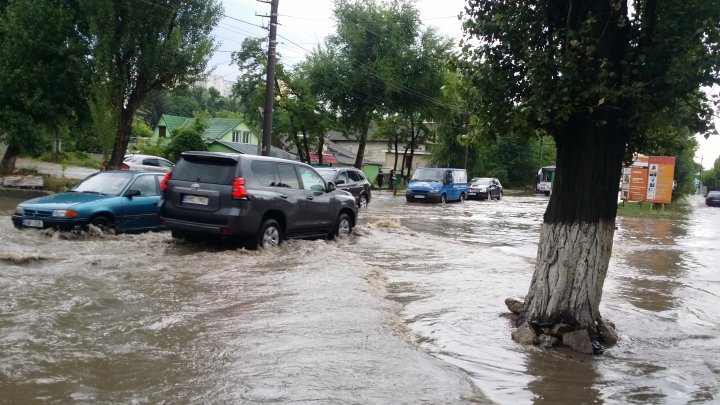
(437, 185)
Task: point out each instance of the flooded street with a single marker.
(409, 310)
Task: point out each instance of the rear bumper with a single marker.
(230, 229)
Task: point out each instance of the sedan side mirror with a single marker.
(133, 193)
(330, 186)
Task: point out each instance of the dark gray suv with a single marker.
(256, 199)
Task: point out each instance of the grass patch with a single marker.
(675, 210)
(58, 184)
(81, 159)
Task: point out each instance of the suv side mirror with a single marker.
(132, 193)
(330, 186)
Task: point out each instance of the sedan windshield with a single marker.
(483, 181)
(110, 183)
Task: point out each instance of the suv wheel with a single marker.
(344, 226)
(270, 234)
(362, 201)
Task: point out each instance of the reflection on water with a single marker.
(411, 310)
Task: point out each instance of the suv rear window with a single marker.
(204, 171)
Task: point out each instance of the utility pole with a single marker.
(270, 80)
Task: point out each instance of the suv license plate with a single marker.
(195, 199)
(32, 223)
(419, 196)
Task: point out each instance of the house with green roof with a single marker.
(218, 129)
(221, 135)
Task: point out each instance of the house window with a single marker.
(161, 131)
(241, 136)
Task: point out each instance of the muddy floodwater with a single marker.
(408, 310)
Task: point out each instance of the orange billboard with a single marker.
(661, 173)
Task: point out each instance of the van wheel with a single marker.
(443, 198)
(270, 234)
(343, 228)
(462, 197)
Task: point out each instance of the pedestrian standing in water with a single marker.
(379, 179)
(391, 180)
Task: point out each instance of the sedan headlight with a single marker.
(19, 210)
(64, 213)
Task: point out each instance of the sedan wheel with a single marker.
(102, 222)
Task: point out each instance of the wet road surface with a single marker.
(409, 310)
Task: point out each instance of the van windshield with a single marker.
(428, 175)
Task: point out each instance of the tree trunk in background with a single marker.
(123, 136)
(361, 147)
(7, 165)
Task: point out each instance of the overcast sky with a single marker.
(305, 23)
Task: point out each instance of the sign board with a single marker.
(638, 183)
(661, 170)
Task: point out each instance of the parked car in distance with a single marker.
(349, 179)
(437, 185)
(123, 201)
(713, 199)
(484, 188)
(147, 163)
(255, 199)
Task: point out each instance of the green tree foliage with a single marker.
(185, 139)
(416, 91)
(356, 70)
(143, 46)
(43, 75)
(251, 61)
(711, 178)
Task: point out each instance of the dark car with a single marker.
(258, 200)
(713, 199)
(125, 201)
(349, 179)
(484, 188)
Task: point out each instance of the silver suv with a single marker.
(259, 200)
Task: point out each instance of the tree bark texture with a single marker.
(123, 137)
(572, 263)
(7, 165)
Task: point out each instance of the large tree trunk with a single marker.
(123, 136)
(577, 232)
(7, 165)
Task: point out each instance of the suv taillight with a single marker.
(164, 182)
(124, 167)
(238, 188)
